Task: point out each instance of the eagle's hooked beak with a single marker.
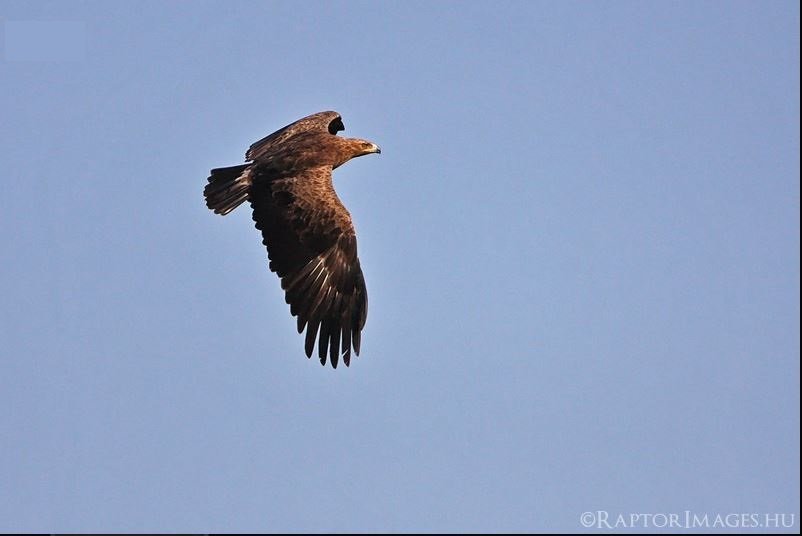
(377, 149)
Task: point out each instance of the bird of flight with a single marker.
(310, 239)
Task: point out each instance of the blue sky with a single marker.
(581, 246)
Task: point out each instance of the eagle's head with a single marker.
(363, 147)
(348, 148)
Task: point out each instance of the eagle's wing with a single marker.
(311, 244)
(321, 122)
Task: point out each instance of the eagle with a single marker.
(309, 235)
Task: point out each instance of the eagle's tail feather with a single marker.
(227, 189)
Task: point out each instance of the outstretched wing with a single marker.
(321, 122)
(311, 244)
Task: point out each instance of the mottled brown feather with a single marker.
(322, 122)
(308, 232)
(312, 247)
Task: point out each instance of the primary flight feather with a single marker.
(309, 235)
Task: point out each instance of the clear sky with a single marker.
(581, 246)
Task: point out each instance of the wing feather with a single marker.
(321, 122)
(311, 245)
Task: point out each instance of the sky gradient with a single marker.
(580, 242)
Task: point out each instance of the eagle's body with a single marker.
(310, 239)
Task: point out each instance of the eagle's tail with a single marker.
(228, 188)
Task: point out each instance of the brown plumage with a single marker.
(309, 235)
